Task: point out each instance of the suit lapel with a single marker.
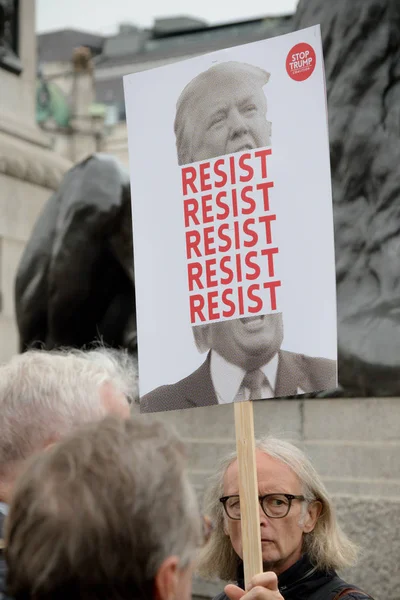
(287, 380)
(200, 390)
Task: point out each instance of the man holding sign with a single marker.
(302, 542)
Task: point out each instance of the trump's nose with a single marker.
(237, 123)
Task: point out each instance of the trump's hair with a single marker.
(327, 545)
(184, 125)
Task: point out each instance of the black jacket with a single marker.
(302, 581)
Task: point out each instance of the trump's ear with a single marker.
(166, 579)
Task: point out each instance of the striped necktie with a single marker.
(254, 381)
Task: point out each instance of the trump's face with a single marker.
(249, 342)
(228, 116)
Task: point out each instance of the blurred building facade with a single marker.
(85, 110)
(29, 169)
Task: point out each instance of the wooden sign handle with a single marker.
(248, 490)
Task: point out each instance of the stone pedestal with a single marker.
(29, 170)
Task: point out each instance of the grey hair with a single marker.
(107, 520)
(327, 545)
(201, 337)
(45, 395)
(119, 364)
(183, 126)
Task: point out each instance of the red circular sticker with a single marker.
(300, 62)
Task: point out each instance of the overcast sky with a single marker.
(104, 15)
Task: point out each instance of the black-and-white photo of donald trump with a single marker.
(222, 111)
(244, 361)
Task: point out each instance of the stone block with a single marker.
(279, 418)
(356, 460)
(275, 417)
(8, 338)
(205, 423)
(20, 205)
(10, 256)
(361, 419)
(204, 455)
(375, 525)
(363, 487)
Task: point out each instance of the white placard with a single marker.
(233, 225)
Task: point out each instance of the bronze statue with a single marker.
(75, 281)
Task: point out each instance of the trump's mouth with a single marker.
(253, 323)
(250, 319)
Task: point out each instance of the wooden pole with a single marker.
(248, 490)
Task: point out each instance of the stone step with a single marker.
(344, 459)
(281, 417)
(362, 419)
(371, 460)
(354, 486)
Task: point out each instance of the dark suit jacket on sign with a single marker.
(294, 371)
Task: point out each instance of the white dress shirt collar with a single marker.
(227, 377)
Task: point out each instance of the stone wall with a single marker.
(20, 204)
(353, 443)
(29, 171)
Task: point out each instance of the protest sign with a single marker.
(233, 228)
(233, 236)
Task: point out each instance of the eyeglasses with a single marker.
(275, 506)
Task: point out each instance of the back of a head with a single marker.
(46, 395)
(95, 516)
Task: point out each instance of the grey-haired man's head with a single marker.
(221, 111)
(45, 396)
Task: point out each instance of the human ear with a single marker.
(166, 579)
(313, 512)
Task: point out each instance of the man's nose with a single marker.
(263, 517)
(237, 123)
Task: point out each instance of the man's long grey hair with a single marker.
(327, 545)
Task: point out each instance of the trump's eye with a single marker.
(249, 108)
(217, 119)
